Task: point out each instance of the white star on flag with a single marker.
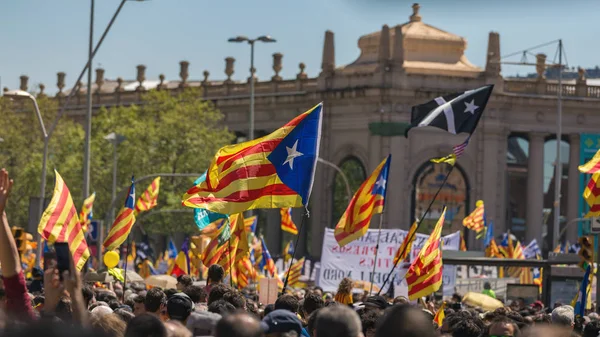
(292, 153)
(471, 107)
(380, 183)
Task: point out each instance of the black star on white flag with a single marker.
(455, 113)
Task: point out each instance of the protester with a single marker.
(280, 323)
(184, 281)
(338, 321)
(179, 307)
(145, 325)
(405, 321)
(487, 290)
(155, 301)
(139, 305)
(198, 296)
(563, 316)
(214, 276)
(312, 302)
(287, 302)
(239, 325)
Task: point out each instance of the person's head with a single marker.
(217, 292)
(64, 310)
(238, 325)
(400, 300)
(281, 322)
(88, 295)
(170, 292)
(145, 325)
(110, 325)
(196, 293)
(592, 329)
(311, 303)
(487, 286)
(221, 307)
(155, 301)
(184, 281)
(139, 305)
(376, 303)
(369, 322)
(311, 324)
(179, 307)
(338, 321)
(287, 302)
(563, 316)
(318, 291)
(215, 274)
(503, 327)
(106, 296)
(125, 315)
(236, 298)
(405, 321)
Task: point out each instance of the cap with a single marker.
(281, 321)
(179, 306)
(537, 304)
(376, 302)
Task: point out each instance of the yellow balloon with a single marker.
(111, 259)
(479, 203)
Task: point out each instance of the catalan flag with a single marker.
(266, 262)
(288, 251)
(287, 224)
(205, 219)
(440, 315)
(86, 214)
(406, 246)
(123, 223)
(368, 200)
(275, 171)
(591, 194)
(476, 220)
(181, 265)
(295, 272)
(250, 223)
(60, 223)
(224, 251)
(592, 166)
(424, 275)
(148, 199)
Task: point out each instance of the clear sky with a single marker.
(40, 37)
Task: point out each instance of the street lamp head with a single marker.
(266, 38)
(115, 138)
(18, 94)
(239, 38)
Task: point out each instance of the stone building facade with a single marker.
(367, 106)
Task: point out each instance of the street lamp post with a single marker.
(115, 139)
(238, 39)
(88, 115)
(20, 94)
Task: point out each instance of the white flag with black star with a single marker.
(455, 113)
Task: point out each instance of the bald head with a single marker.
(238, 325)
(338, 321)
(405, 321)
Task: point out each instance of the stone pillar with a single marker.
(573, 192)
(398, 203)
(493, 168)
(384, 46)
(328, 64)
(398, 57)
(535, 187)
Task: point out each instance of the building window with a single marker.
(355, 173)
(517, 158)
(454, 195)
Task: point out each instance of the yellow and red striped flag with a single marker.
(148, 199)
(463, 244)
(250, 223)
(476, 220)
(123, 223)
(592, 166)
(406, 246)
(224, 251)
(86, 214)
(368, 200)
(180, 267)
(275, 171)
(440, 315)
(287, 224)
(492, 250)
(424, 275)
(295, 273)
(591, 194)
(60, 223)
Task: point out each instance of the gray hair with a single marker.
(563, 315)
(338, 321)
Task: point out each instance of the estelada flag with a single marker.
(148, 199)
(87, 212)
(368, 200)
(275, 171)
(123, 223)
(287, 224)
(406, 246)
(60, 223)
(424, 275)
(592, 166)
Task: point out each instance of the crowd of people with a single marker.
(63, 305)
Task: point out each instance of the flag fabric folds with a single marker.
(287, 224)
(454, 113)
(532, 250)
(123, 223)
(406, 246)
(148, 199)
(591, 195)
(288, 251)
(295, 272)
(582, 295)
(463, 244)
(204, 218)
(592, 166)
(251, 223)
(171, 249)
(275, 171)
(476, 220)
(368, 200)
(60, 223)
(440, 315)
(424, 275)
(266, 261)
(457, 152)
(87, 212)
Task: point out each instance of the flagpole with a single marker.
(287, 277)
(127, 248)
(230, 262)
(376, 251)
(418, 225)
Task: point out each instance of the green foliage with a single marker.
(167, 134)
(356, 175)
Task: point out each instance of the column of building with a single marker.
(573, 191)
(535, 187)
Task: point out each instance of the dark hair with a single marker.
(232, 325)
(221, 307)
(287, 302)
(125, 315)
(252, 308)
(268, 309)
(312, 322)
(49, 328)
(64, 310)
(114, 304)
(217, 292)
(369, 320)
(592, 329)
(466, 328)
(154, 299)
(196, 293)
(487, 286)
(145, 326)
(139, 299)
(404, 320)
(106, 296)
(185, 280)
(236, 298)
(130, 302)
(88, 294)
(312, 302)
(170, 292)
(215, 273)
(505, 320)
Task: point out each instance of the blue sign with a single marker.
(93, 230)
(589, 145)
